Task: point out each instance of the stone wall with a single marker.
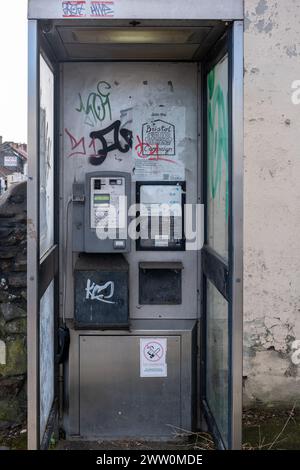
(13, 360)
(272, 202)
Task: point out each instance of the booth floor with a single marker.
(198, 442)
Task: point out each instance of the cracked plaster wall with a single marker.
(272, 202)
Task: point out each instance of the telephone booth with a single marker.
(135, 210)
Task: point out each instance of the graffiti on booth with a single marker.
(114, 144)
(94, 9)
(218, 138)
(153, 141)
(102, 9)
(113, 137)
(101, 293)
(150, 152)
(74, 9)
(96, 108)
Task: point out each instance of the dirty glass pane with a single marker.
(46, 157)
(217, 359)
(46, 356)
(217, 158)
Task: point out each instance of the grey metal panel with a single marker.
(199, 257)
(127, 80)
(185, 329)
(188, 374)
(160, 9)
(33, 238)
(237, 230)
(78, 205)
(115, 402)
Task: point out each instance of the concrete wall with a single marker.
(272, 202)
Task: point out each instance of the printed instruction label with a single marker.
(153, 353)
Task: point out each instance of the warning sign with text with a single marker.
(153, 352)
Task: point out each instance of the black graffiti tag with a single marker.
(126, 134)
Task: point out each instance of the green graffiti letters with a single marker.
(97, 106)
(217, 139)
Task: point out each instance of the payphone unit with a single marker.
(100, 208)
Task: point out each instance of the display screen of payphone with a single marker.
(101, 198)
(161, 216)
(107, 201)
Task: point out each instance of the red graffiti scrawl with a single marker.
(146, 151)
(113, 137)
(77, 145)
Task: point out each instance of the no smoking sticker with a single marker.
(153, 357)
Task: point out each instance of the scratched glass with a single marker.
(218, 158)
(46, 356)
(217, 359)
(46, 158)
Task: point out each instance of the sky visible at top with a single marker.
(13, 70)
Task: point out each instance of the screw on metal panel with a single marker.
(46, 28)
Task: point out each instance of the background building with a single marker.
(13, 163)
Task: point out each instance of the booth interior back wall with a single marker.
(110, 111)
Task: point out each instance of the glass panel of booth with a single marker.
(46, 356)
(217, 372)
(218, 158)
(46, 157)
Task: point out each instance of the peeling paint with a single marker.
(247, 22)
(264, 27)
(272, 195)
(262, 7)
(291, 51)
(260, 25)
(269, 27)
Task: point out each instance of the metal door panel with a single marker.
(115, 401)
(42, 248)
(222, 332)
